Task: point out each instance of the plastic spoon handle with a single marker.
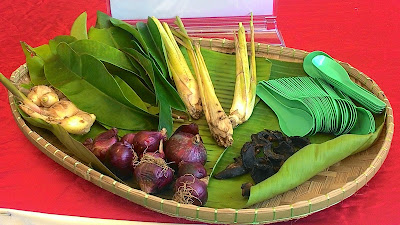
(293, 121)
(335, 71)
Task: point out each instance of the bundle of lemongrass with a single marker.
(201, 90)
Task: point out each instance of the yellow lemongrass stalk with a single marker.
(245, 86)
(218, 122)
(184, 81)
(253, 71)
(188, 43)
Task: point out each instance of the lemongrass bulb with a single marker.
(49, 99)
(79, 123)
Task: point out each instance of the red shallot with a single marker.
(153, 174)
(122, 159)
(185, 147)
(196, 169)
(148, 141)
(103, 142)
(190, 190)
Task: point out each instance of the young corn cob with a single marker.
(246, 81)
(185, 83)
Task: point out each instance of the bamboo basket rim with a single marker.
(227, 215)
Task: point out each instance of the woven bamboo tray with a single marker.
(329, 187)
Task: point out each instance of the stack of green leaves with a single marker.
(115, 70)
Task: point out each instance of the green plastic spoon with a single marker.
(292, 121)
(338, 76)
(363, 123)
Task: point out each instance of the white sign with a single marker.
(141, 9)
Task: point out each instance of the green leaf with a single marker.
(112, 36)
(168, 98)
(119, 39)
(130, 94)
(135, 82)
(154, 44)
(87, 83)
(53, 43)
(132, 30)
(165, 115)
(79, 29)
(144, 63)
(95, 130)
(103, 20)
(35, 58)
(103, 52)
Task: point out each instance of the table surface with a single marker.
(362, 33)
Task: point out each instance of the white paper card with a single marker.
(141, 9)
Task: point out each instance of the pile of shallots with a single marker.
(157, 163)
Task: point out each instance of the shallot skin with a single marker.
(122, 158)
(103, 142)
(196, 169)
(128, 138)
(190, 190)
(148, 141)
(153, 174)
(188, 128)
(185, 147)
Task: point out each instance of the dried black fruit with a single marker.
(248, 155)
(246, 189)
(284, 148)
(261, 171)
(263, 155)
(300, 142)
(232, 170)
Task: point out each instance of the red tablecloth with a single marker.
(362, 33)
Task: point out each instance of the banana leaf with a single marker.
(86, 82)
(79, 28)
(311, 160)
